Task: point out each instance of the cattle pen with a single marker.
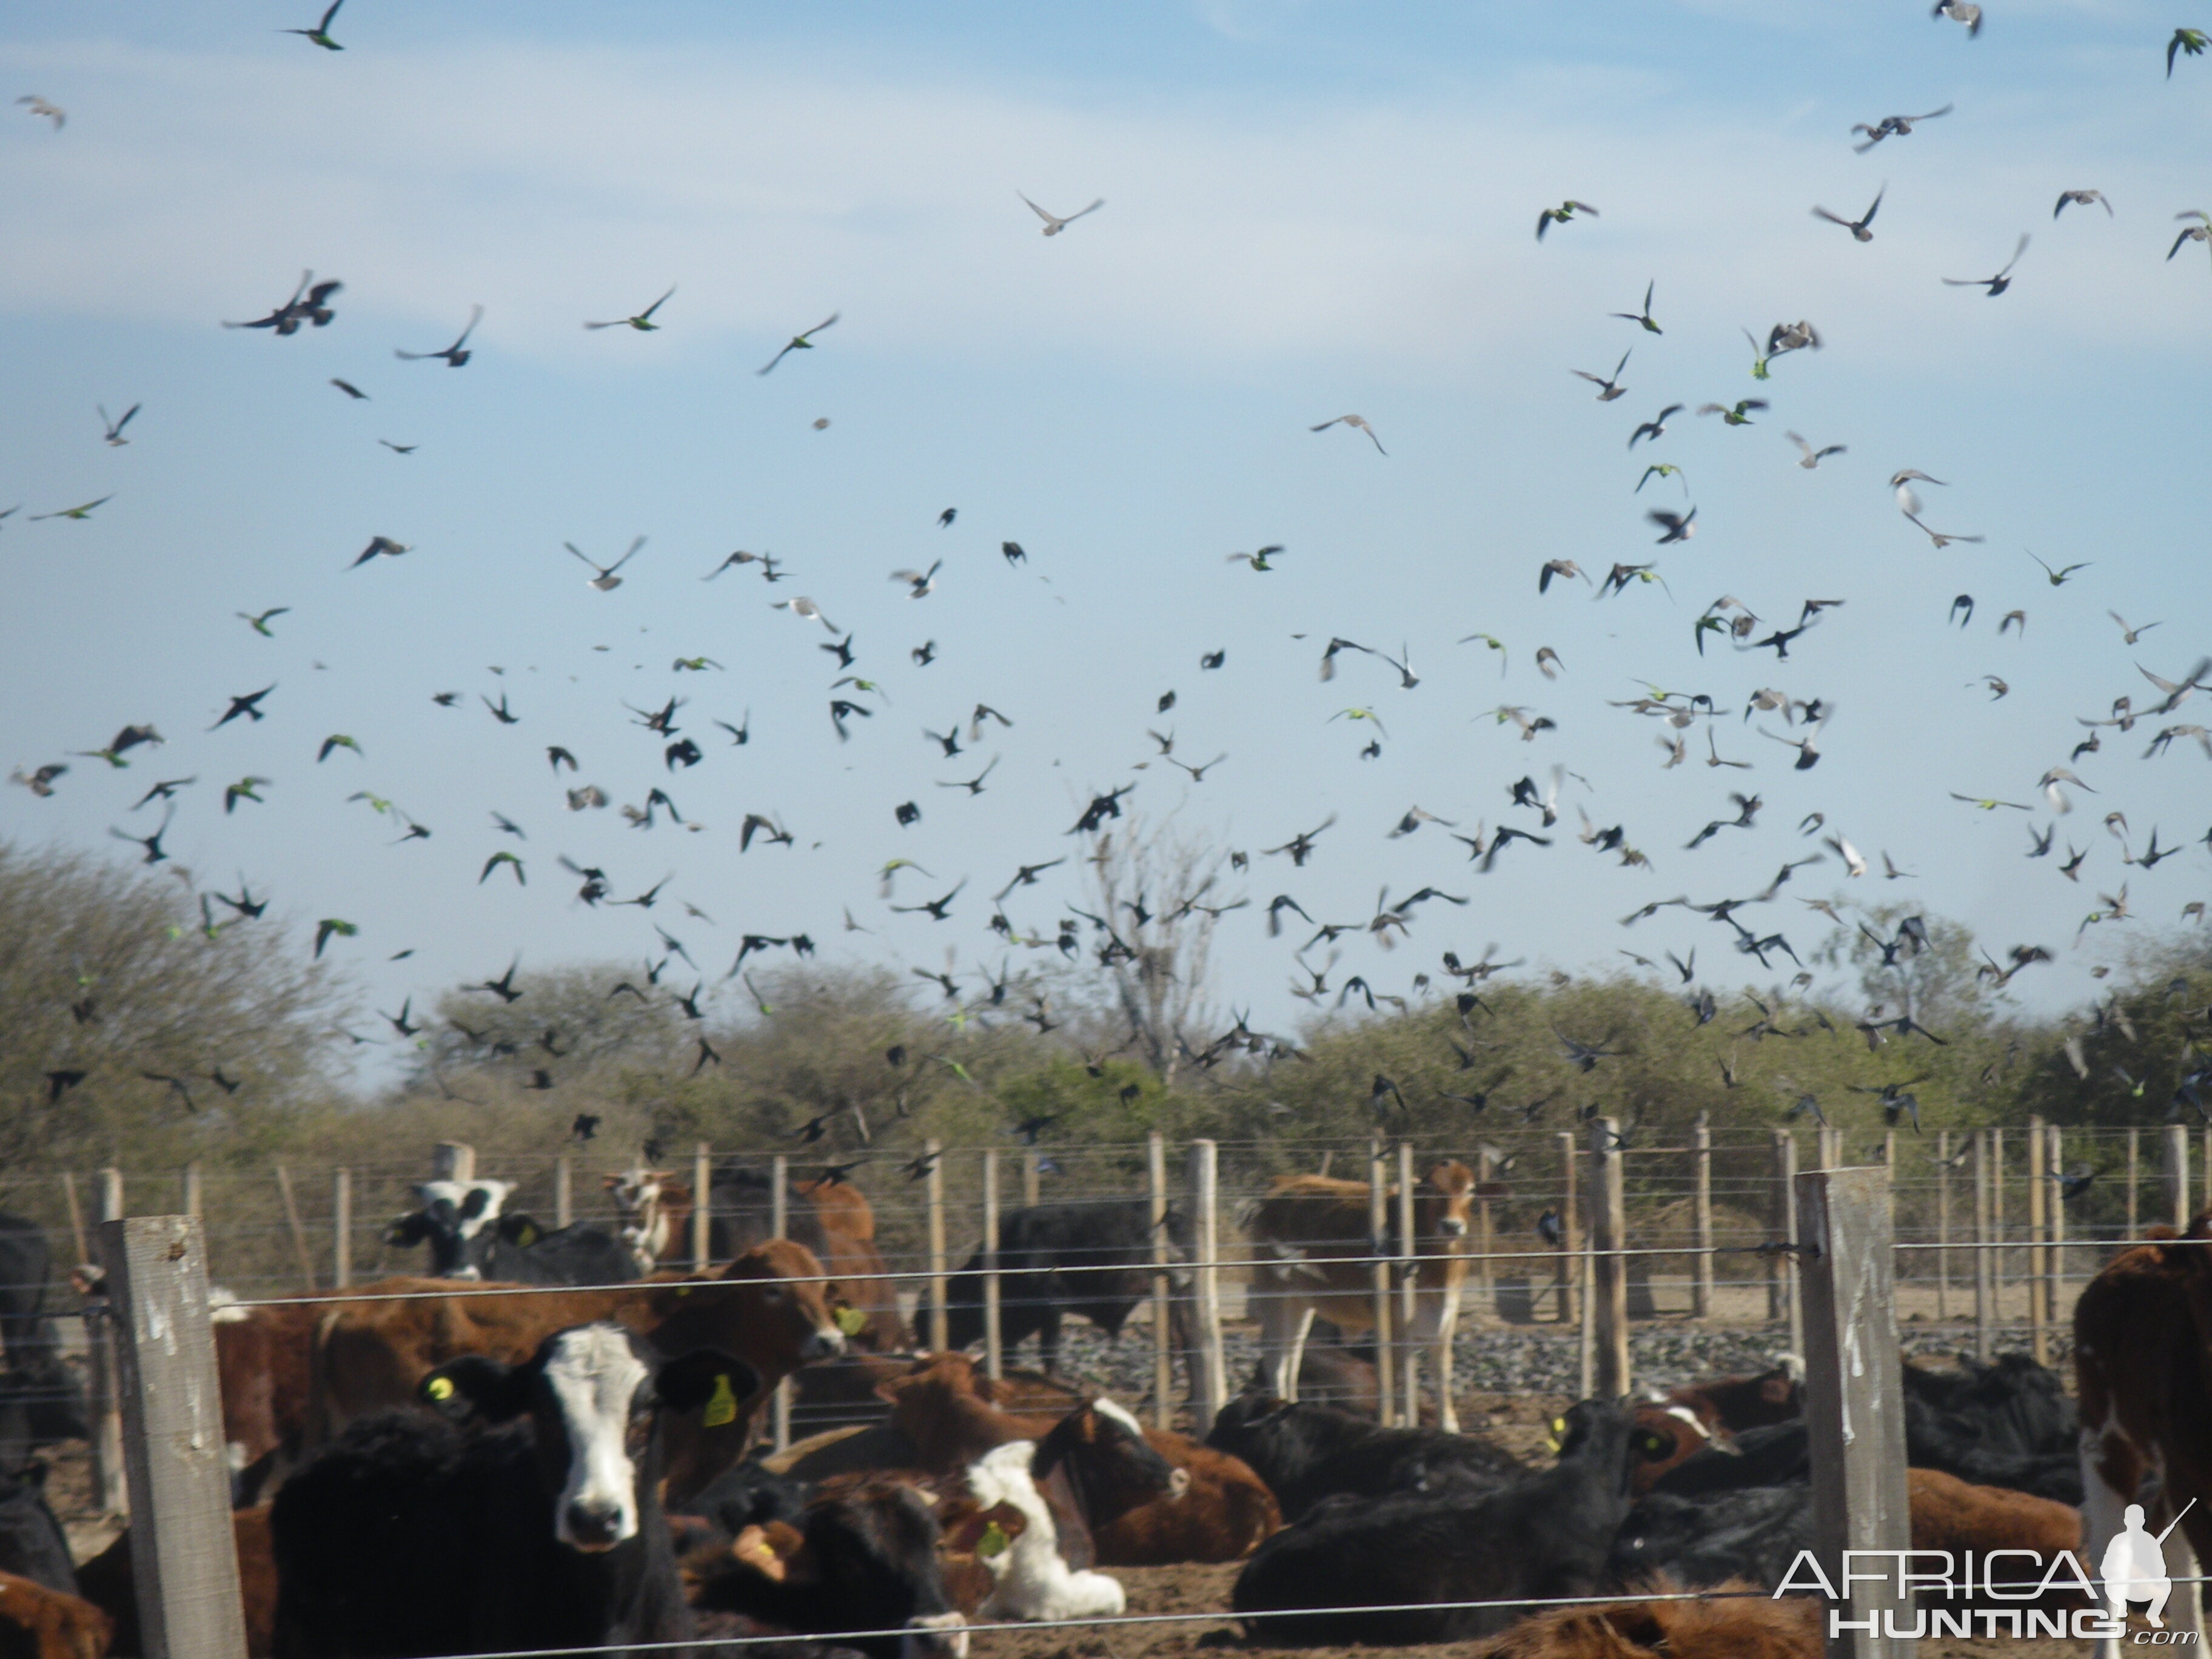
(1581, 1239)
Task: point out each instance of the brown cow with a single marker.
(1747, 1626)
(1737, 1403)
(1666, 1438)
(769, 1308)
(53, 1625)
(2142, 1366)
(1303, 1218)
(108, 1583)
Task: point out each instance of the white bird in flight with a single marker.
(1053, 224)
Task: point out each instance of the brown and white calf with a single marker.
(1304, 1228)
(2143, 1362)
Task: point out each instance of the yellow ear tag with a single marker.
(721, 1404)
(993, 1543)
(1558, 1425)
(852, 1320)
(439, 1389)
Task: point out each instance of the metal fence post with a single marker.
(1609, 1286)
(994, 1358)
(110, 1490)
(1701, 1158)
(1409, 1356)
(341, 1229)
(183, 1554)
(1985, 1285)
(1209, 1369)
(2038, 1258)
(940, 1337)
(778, 1226)
(1853, 1397)
(1378, 1234)
(1156, 1176)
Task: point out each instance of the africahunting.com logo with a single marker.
(2133, 1571)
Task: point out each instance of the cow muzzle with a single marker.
(935, 1636)
(823, 1345)
(593, 1525)
(1452, 1227)
(1178, 1483)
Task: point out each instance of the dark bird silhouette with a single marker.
(249, 706)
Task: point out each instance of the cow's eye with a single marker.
(774, 1294)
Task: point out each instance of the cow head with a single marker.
(1445, 1203)
(653, 1204)
(458, 1220)
(593, 1394)
(1666, 1436)
(1110, 1464)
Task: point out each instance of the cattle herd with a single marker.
(474, 1471)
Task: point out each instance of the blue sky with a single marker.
(1311, 209)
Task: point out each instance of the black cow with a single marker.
(1093, 1259)
(42, 1397)
(408, 1536)
(749, 1495)
(469, 1238)
(1754, 1534)
(32, 1543)
(1546, 1535)
(1307, 1453)
(2008, 1423)
(1780, 1455)
(864, 1558)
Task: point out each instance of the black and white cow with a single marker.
(409, 1535)
(470, 1238)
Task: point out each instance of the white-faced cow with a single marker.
(1307, 1224)
(470, 1238)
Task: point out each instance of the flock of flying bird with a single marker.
(1118, 938)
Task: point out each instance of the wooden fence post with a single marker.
(1486, 1236)
(564, 1191)
(183, 1555)
(1378, 1234)
(452, 1160)
(2135, 1172)
(1781, 1227)
(1854, 1398)
(2062, 1316)
(2177, 1176)
(994, 1358)
(1571, 1244)
(702, 1208)
(778, 1226)
(1409, 1356)
(1998, 1277)
(2038, 1259)
(193, 1195)
(940, 1336)
(1985, 1256)
(76, 1218)
(1701, 1158)
(1942, 1224)
(1210, 1369)
(1156, 1176)
(341, 1229)
(110, 1490)
(300, 1248)
(2205, 1140)
(1032, 1177)
(1609, 1287)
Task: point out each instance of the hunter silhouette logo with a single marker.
(2134, 1567)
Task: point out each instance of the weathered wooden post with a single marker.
(1998, 1276)
(564, 1191)
(1942, 1224)
(1608, 1238)
(2135, 1174)
(1701, 1204)
(1569, 1248)
(994, 1358)
(1781, 1227)
(193, 1195)
(1210, 1367)
(940, 1335)
(1032, 1177)
(1486, 1234)
(1985, 1287)
(778, 1226)
(1156, 1176)
(1378, 1234)
(702, 1208)
(2038, 1259)
(2177, 1176)
(2062, 1316)
(76, 1218)
(1409, 1362)
(2206, 1147)
(1853, 1401)
(183, 1555)
(452, 1160)
(341, 1229)
(300, 1248)
(110, 1490)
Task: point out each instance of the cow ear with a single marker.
(494, 1392)
(973, 1531)
(707, 1377)
(409, 1230)
(776, 1551)
(521, 1230)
